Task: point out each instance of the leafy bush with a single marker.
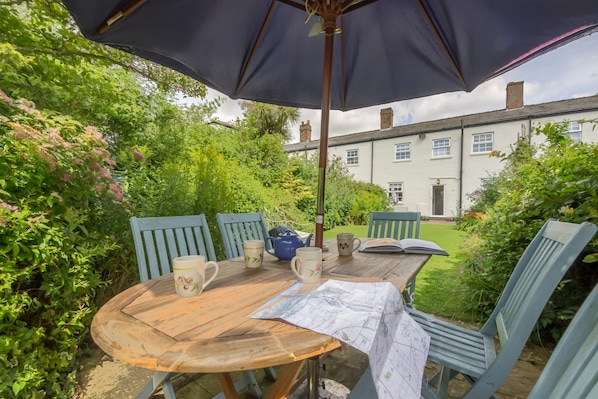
(346, 200)
(559, 180)
(57, 201)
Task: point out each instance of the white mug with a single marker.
(253, 251)
(190, 274)
(347, 243)
(310, 264)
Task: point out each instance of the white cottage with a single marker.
(430, 167)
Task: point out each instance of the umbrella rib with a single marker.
(121, 14)
(256, 44)
(442, 42)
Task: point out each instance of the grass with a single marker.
(438, 286)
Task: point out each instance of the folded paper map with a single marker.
(367, 316)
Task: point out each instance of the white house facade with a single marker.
(431, 167)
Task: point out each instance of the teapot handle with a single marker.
(271, 241)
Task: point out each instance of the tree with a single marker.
(270, 119)
(45, 59)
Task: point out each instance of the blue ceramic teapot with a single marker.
(285, 245)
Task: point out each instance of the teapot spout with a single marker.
(308, 240)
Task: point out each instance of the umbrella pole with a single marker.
(329, 27)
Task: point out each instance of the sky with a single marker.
(570, 71)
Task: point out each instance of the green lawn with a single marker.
(438, 286)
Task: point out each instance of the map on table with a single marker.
(368, 316)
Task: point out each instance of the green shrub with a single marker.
(559, 180)
(55, 188)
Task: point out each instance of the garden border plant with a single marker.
(556, 179)
(58, 205)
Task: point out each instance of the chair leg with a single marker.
(252, 383)
(270, 373)
(444, 376)
(365, 387)
(409, 294)
(161, 378)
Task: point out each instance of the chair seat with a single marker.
(465, 351)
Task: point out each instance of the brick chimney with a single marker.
(304, 132)
(515, 95)
(386, 116)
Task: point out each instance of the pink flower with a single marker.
(78, 161)
(138, 156)
(105, 174)
(180, 279)
(4, 97)
(66, 177)
(9, 207)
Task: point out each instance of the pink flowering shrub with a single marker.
(58, 202)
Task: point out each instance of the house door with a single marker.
(437, 200)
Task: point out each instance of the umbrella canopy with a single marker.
(336, 54)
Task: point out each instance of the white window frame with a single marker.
(480, 142)
(441, 148)
(574, 131)
(404, 149)
(353, 157)
(396, 192)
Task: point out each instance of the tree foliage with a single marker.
(45, 59)
(558, 179)
(270, 119)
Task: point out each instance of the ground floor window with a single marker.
(352, 157)
(395, 193)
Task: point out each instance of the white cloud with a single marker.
(568, 72)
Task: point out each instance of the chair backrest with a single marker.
(572, 371)
(238, 227)
(158, 240)
(537, 274)
(397, 225)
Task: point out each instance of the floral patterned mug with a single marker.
(309, 270)
(190, 274)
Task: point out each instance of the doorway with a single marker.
(438, 200)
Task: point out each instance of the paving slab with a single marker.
(107, 378)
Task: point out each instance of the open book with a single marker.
(406, 245)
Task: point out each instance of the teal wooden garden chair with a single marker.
(397, 225)
(572, 370)
(236, 228)
(472, 353)
(158, 240)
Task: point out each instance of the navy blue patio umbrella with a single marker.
(336, 54)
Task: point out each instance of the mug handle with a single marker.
(215, 266)
(294, 267)
(356, 247)
(271, 241)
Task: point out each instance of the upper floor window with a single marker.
(441, 148)
(352, 157)
(395, 193)
(402, 151)
(482, 142)
(574, 131)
